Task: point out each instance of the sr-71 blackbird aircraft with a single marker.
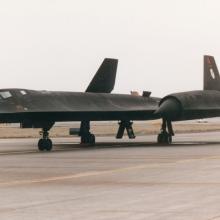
(41, 109)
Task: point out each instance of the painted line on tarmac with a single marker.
(99, 173)
(76, 176)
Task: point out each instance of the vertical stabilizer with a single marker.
(104, 79)
(211, 74)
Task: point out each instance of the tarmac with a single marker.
(127, 179)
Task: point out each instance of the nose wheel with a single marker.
(165, 136)
(45, 143)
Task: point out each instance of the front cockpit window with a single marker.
(23, 92)
(5, 94)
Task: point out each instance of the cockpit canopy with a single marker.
(5, 94)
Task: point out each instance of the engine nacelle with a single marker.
(190, 105)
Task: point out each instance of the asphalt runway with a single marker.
(130, 180)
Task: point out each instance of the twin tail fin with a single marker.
(211, 74)
(104, 79)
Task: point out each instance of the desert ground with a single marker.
(110, 128)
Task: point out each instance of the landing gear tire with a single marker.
(49, 145)
(164, 138)
(92, 139)
(169, 139)
(45, 144)
(88, 139)
(41, 145)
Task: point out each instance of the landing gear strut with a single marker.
(86, 136)
(165, 136)
(45, 142)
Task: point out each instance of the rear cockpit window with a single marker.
(23, 92)
(5, 94)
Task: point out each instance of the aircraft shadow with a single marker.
(70, 147)
(104, 145)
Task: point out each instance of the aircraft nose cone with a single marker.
(169, 109)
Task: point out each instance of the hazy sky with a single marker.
(59, 44)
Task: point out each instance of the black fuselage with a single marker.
(29, 106)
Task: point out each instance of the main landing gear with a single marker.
(165, 136)
(86, 136)
(45, 142)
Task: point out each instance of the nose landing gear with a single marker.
(165, 136)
